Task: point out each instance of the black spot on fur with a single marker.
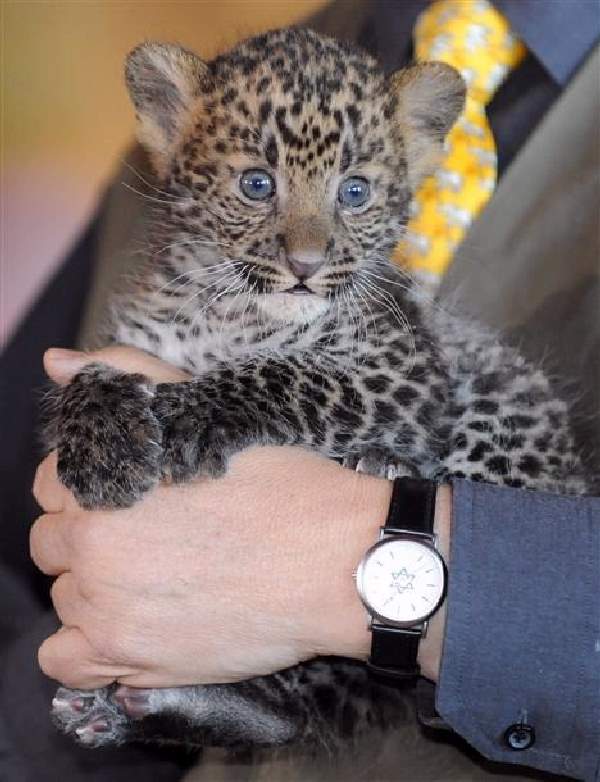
(264, 111)
(385, 412)
(263, 84)
(229, 96)
(518, 421)
(460, 442)
(405, 395)
(271, 152)
(353, 115)
(485, 406)
(345, 158)
(478, 451)
(530, 464)
(498, 465)
(378, 384)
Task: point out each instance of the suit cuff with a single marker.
(522, 639)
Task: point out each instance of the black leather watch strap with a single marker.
(394, 651)
(412, 508)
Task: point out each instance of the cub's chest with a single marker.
(197, 347)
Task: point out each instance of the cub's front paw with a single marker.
(108, 439)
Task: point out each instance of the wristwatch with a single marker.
(402, 579)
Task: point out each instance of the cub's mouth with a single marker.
(299, 289)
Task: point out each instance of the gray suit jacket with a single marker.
(530, 265)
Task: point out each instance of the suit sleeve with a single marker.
(520, 675)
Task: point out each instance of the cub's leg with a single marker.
(508, 427)
(320, 703)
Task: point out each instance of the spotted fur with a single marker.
(350, 360)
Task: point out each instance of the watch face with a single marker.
(402, 580)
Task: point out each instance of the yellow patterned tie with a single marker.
(473, 37)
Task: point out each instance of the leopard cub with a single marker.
(284, 174)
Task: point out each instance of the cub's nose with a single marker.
(305, 264)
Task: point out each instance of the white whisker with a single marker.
(238, 288)
(192, 273)
(384, 298)
(148, 184)
(364, 299)
(215, 297)
(201, 291)
(188, 243)
(146, 196)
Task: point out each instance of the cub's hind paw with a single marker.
(90, 717)
(108, 439)
(119, 714)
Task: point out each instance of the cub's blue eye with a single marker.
(257, 184)
(354, 191)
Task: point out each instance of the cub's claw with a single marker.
(381, 463)
(88, 734)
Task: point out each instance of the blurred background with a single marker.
(67, 119)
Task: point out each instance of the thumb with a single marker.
(61, 365)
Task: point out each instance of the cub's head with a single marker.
(292, 157)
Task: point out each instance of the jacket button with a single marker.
(519, 736)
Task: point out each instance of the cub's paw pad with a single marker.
(70, 702)
(108, 439)
(90, 717)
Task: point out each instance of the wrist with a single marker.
(367, 501)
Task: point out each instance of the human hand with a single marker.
(61, 365)
(249, 573)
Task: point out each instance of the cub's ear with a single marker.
(427, 99)
(164, 81)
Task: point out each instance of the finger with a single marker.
(48, 544)
(61, 365)
(134, 360)
(67, 600)
(48, 491)
(68, 657)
